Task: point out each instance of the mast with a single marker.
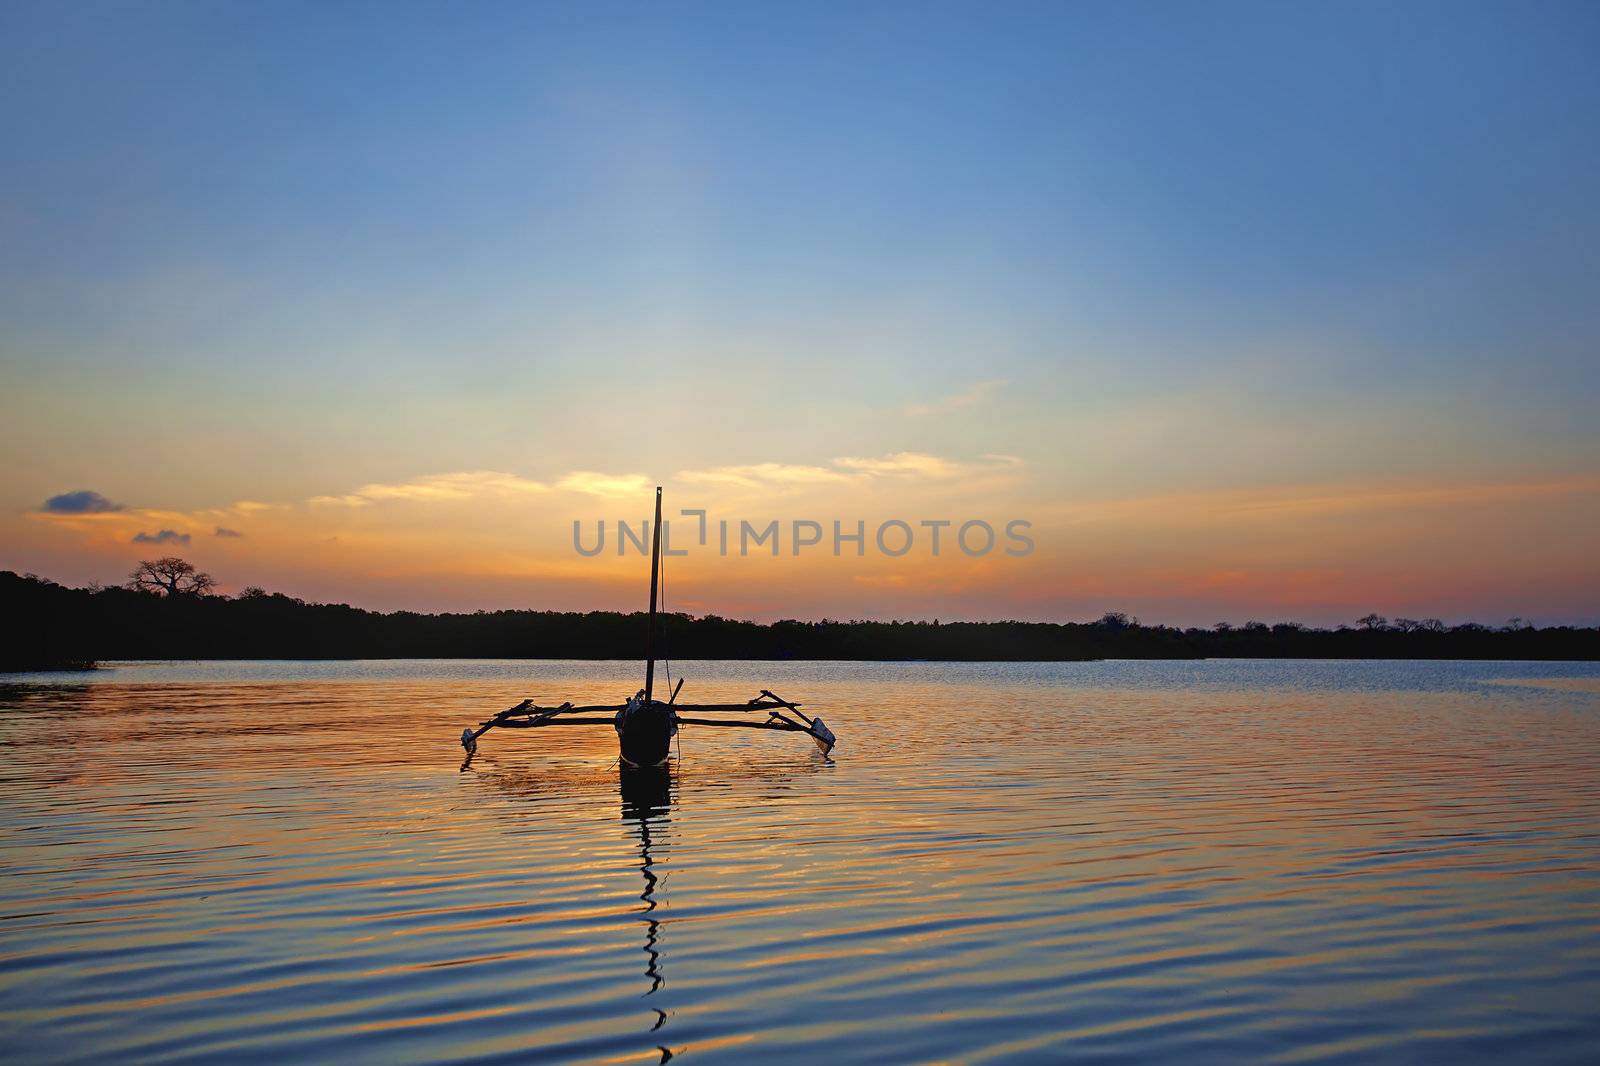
(655, 575)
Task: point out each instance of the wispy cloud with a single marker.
(83, 501)
(463, 485)
(971, 396)
(762, 475)
(849, 470)
(166, 536)
(587, 481)
(756, 477)
(223, 531)
(918, 465)
(843, 472)
(477, 484)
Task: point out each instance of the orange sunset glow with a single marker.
(492, 539)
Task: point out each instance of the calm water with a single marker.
(1220, 860)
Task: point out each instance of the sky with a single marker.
(1250, 311)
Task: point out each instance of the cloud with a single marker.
(223, 531)
(931, 467)
(760, 475)
(474, 484)
(849, 470)
(166, 536)
(605, 484)
(439, 487)
(81, 502)
(903, 464)
(970, 397)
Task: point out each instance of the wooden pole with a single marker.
(470, 737)
(655, 576)
(795, 707)
(540, 723)
(770, 723)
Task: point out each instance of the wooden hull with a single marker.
(644, 734)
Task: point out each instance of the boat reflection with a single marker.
(646, 797)
(647, 805)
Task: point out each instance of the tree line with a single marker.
(175, 616)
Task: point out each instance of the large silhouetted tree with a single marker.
(170, 576)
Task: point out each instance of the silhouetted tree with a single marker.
(170, 576)
(1373, 621)
(1407, 625)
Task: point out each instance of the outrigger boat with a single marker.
(645, 726)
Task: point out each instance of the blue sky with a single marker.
(275, 251)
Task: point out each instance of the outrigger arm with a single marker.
(528, 715)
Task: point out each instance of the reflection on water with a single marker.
(1295, 861)
(646, 802)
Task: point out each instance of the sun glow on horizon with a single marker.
(770, 551)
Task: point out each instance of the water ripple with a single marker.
(1005, 863)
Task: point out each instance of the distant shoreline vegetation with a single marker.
(175, 617)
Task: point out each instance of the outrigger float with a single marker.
(645, 726)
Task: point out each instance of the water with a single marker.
(1003, 862)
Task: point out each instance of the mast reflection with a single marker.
(646, 805)
(647, 795)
